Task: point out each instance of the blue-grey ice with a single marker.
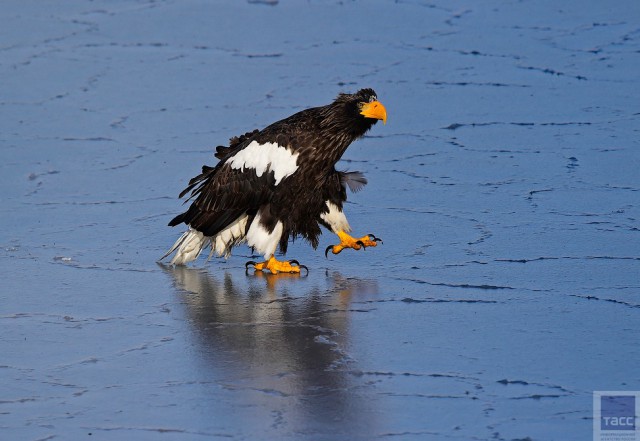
(504, 185)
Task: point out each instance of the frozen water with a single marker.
(505, 186)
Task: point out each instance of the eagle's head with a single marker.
(369, 107)
(356, 112)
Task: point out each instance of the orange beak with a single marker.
(374, 109)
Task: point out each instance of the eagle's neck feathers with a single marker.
(339, 126)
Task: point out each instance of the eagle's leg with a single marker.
(347, 241)
(276, 266)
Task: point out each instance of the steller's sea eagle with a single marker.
(278, 183)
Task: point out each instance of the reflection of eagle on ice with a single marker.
(279, 183)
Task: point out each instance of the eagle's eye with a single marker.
(368, 100)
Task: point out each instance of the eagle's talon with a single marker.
(300, 267)
(335, 249)
(364, 247)
(296, 263)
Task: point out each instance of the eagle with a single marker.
(273, 185)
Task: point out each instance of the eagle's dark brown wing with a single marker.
(222, 194)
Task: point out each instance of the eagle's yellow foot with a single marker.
(347, 241)
(277, 266)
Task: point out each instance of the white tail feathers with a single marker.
(192, 242)
(189, 247)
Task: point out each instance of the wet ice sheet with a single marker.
(504, 186)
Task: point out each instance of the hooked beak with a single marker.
(375, 110)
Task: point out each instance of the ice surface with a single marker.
(505, 186)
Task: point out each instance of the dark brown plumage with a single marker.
(275, 184)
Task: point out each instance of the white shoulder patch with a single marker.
(264, 158)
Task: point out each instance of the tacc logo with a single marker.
(617, 412)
